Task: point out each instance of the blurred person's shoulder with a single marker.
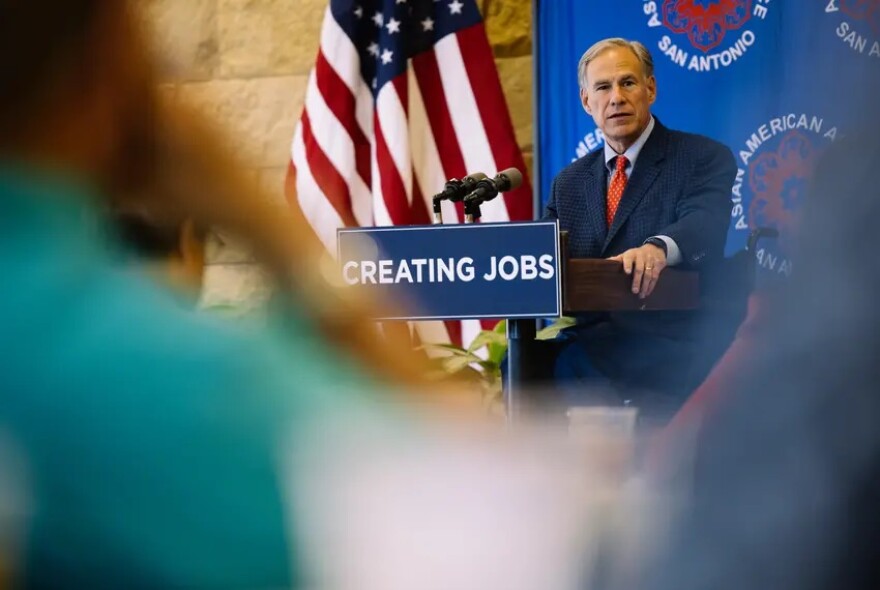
(162, 348)
(76, 322)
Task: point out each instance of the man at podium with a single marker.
(652, 198)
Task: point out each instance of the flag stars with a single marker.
(455, 7)
(378, 19)
(428, 24)
(387, 56)
(359, 12)
(374, 83)
(393, 26)
(400, 2)
(373, 49)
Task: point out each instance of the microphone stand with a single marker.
(438, 214)
(472, 212)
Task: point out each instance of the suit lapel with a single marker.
(596, 186)
(647, 168)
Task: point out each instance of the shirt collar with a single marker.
(633, 151)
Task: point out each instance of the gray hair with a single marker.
(640, 51)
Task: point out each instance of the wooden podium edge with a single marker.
(601, 285)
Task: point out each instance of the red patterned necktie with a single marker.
(615, 190)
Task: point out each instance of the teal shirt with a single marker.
(151, 434)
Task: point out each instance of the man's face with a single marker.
(619, 96)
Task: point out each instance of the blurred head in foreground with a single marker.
(787, 470)
(149, 437)
(80, 100)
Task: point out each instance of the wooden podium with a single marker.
(590, 284)
(526, 273)
(593, 285)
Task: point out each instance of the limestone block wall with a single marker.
(246, 62)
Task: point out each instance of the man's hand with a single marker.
(645, 263)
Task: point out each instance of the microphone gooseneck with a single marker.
(487, 189)
(455, 190)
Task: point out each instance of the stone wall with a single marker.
(246, 62)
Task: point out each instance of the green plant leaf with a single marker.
(490, 367)
(551, 331)
(454, 364)
(465, 365)
(486, 338)
(496, 353)
(497, 350)
(458, 350)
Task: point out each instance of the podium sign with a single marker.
(442, 272)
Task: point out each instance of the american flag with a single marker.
(403, 96)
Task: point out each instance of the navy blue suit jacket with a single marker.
(680, 187)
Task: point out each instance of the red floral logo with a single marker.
(706, 21)
(867, 10)
(779, 181)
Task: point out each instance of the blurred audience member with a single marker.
(666, 449)
(151, 437)
(144, 445)
(787, 463)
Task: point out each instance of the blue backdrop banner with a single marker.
(777, 81)
(484, 270)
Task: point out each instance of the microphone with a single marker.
(455, 191)
(487, 189)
